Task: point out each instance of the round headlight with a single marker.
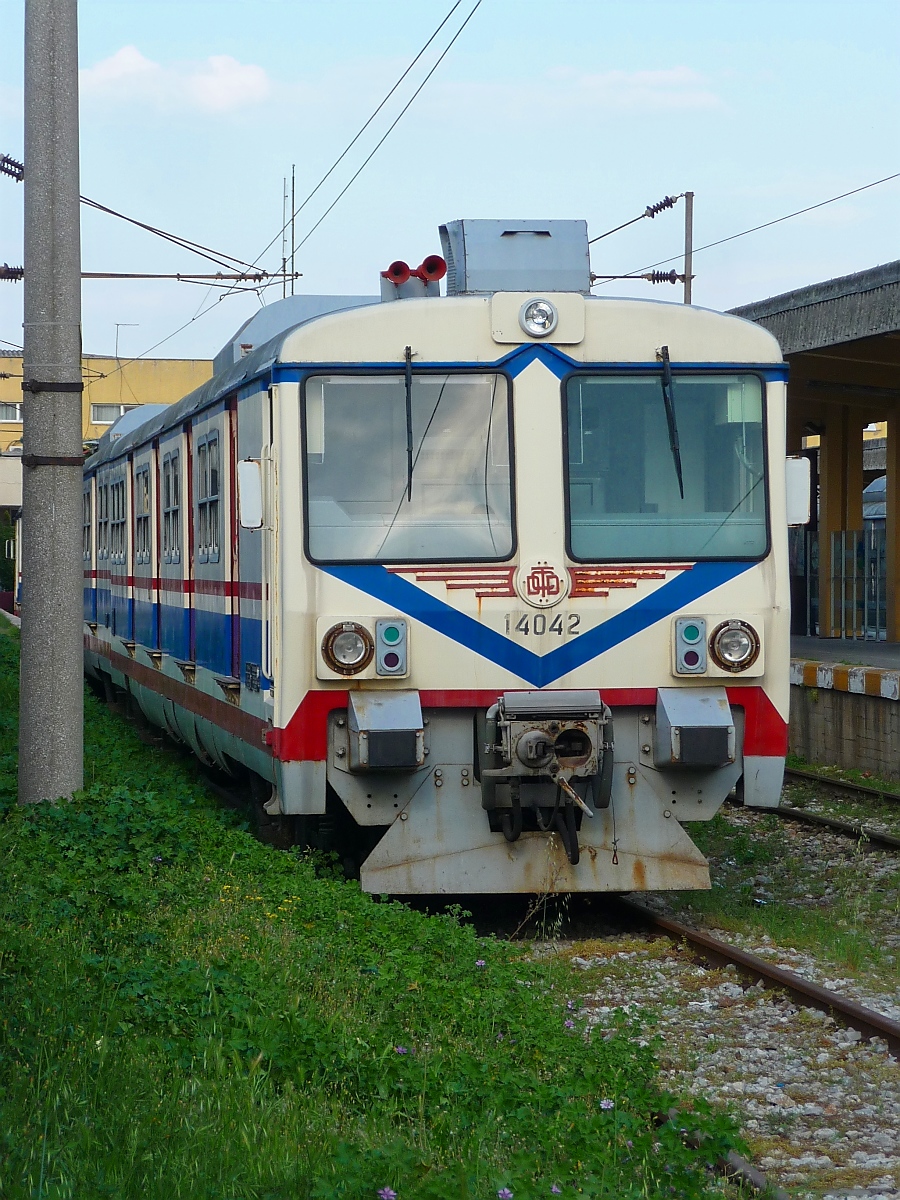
(734, 645)
(348, 648)
(538, 317)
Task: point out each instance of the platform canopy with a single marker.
(842, 341)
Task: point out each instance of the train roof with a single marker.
(259, 362)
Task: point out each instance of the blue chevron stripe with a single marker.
(536, 669)
(554, 360)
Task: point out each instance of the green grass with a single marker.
(847, 774)
(837, 913)
(185, 1012)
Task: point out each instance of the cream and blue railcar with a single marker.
(490, 589)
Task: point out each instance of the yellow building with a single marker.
(111, 386)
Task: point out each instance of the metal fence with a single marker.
(858, 584)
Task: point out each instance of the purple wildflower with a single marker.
(504, 1194)
(630, 1144)
(569, 1024)
(570, 1005)
(607, 1104)
(401, 1050)
(479, 962)
(386, 1193)
(499, 1037)
(556, 1190)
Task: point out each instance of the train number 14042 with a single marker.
(537, 624)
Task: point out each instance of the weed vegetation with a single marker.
(185, 1012)
(765, 883)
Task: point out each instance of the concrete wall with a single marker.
(846, 729)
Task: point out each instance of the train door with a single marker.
(120, 579)
(88, 550)
(250, 421)
(104, 562)
(174, 607)
(233, 593)
(145, 596)
(211, 508)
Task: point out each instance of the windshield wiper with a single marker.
(669, 400)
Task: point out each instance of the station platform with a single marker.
(845, 704)
(847, 651)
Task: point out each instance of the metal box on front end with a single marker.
(386, 731)
(694, 728)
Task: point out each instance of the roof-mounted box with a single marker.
(516, 256)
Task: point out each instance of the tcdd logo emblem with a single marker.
(541, 585)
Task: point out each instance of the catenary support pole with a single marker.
(50, 711)
(688, 244)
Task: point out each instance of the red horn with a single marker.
(432, 269)
(398, 272)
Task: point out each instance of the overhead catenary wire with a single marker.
(217, 256)
(295, 212)
(390, 129)
(765, 225)
(233, 289)
(650, 211)
(16, 170)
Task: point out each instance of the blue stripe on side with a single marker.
(538, 670)
(212, 634)
(175, 630)
(517, 360)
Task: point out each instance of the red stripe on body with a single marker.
(249, 728)
(305, 737)
(184, 587)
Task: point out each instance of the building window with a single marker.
(118, 530)
(208, 499)
(86, 526)
(107, 414)
(171, 508)
(142, 515)
(11, 412)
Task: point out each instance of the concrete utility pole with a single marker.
(51, 704)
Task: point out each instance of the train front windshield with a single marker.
(397, 477)
(623, 491)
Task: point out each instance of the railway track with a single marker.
(842, 785)
(714, 951)
(854, 829)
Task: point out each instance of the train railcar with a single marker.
(487, 591)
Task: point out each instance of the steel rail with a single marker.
(862, 832)
(842, 784)
(714, 951)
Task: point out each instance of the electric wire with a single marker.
(650, 211)
(391, 128)
(350, 145)
(196, 317)
(217, 256)
(765, 225)
(340, 158)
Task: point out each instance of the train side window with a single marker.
(171, 509)
(142, 516)
(86, 526)
(118, 532)
(102, 520)
(208, 499)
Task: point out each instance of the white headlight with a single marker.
(734, 645)
(347, 648)
(538, 317)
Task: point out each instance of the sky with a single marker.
(193, 113)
